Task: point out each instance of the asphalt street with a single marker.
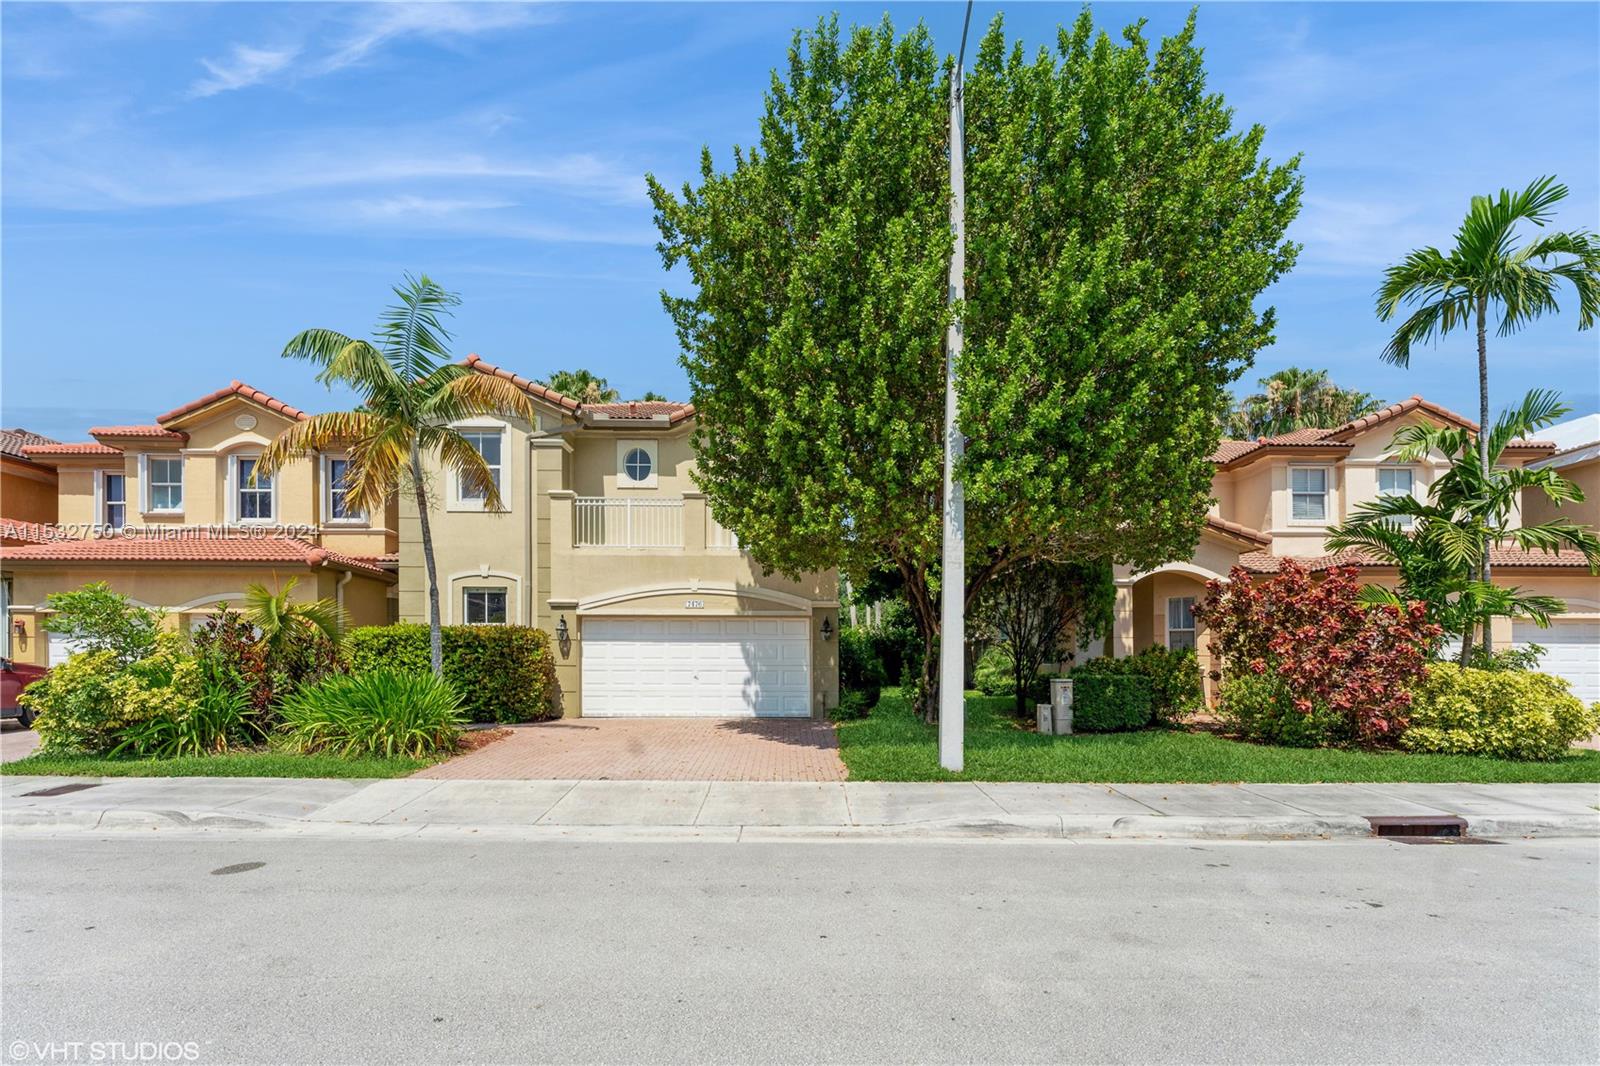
(419, 950)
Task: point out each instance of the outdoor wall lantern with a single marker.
(561, 629)
(827, 629)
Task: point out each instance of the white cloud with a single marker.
(245, 67)
(374, 27)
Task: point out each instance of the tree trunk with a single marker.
(1483, 440)
(435, 635)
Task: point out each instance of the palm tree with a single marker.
(1469, 509)
(411, 393)
(1455, 290)
(583, 385)
(1294, 398)
(280, 621)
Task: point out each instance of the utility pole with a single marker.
(953, 574)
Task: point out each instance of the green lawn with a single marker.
(240, 764)
(893, 745)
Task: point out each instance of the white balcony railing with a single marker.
(599, 522)
(720, 538)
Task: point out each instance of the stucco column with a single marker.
(1121, 645)
(562, 503)
(694, 523)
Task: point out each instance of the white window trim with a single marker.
(1169, 627)
(360, 519)
(235, 486)
(1405, 522)
(467, 590)
(650, 448)
(145, 506)
(455, 501)
(100, 494)
(1327, 496)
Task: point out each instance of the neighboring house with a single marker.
(168, 515)
(1278, 496)
(606, 543)
(27, 508)
(1577, 457)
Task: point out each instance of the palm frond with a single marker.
(414, 340)
(319, 433)
(471, 394)
(461, 459)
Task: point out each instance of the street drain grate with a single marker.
(62, 790)
(1413, 826)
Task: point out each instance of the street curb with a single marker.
(1014, 828)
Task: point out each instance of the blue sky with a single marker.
(187, 185)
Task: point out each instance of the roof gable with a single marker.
(187, 413)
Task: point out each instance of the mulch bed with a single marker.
(473, 739)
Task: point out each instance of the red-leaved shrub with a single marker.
(1328, 647)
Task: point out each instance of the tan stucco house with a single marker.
(167, 513)
(1277, 497)
(606, 543)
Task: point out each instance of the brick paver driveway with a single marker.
(657, 749)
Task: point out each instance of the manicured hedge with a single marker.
(1105, 703)
(1175, 685)
(503, 673)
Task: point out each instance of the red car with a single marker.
(14, 677)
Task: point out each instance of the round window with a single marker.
(637, 465)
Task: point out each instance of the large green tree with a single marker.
(1489, 271)
(1120, 229)
(1294, 398)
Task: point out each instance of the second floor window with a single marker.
(166, 484)
(1396, 481)
(340, 507)
(255, 498)
(1180, 623)
(487, 444)
(113, 491)
(1308, 493)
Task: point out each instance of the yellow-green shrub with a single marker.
(85, 703)
(1509, 714)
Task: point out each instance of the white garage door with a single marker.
(1572, 651)
(62, 649)
(710, 667)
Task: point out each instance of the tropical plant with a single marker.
(98, 619)
(384, 713)
(651, 395)
(1120, 230)
(410, 397)
(582, 385)
(214, 721)
(1507, 714)
(282, 621)
(1292, 399)
(1470, 508)
(88, 702)
(226, 645)
(1488, 269)
(1334, 652)
(503, 673)
(1029, 612)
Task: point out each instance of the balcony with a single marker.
(603, 522)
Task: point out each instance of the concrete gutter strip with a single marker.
(784, 811)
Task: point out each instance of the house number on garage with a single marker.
(694, 605)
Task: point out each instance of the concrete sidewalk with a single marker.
(748, 810)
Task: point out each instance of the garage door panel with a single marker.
(1571, 650)
(696, 667)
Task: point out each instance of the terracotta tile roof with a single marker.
(1231, 451)
(12, 441)
(532, 388)
(235, 388)
(120, 432)
(642, 409)
(1234, 529)
(1266, 563)
(193, 546)
(12, 529)
(87, 447)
